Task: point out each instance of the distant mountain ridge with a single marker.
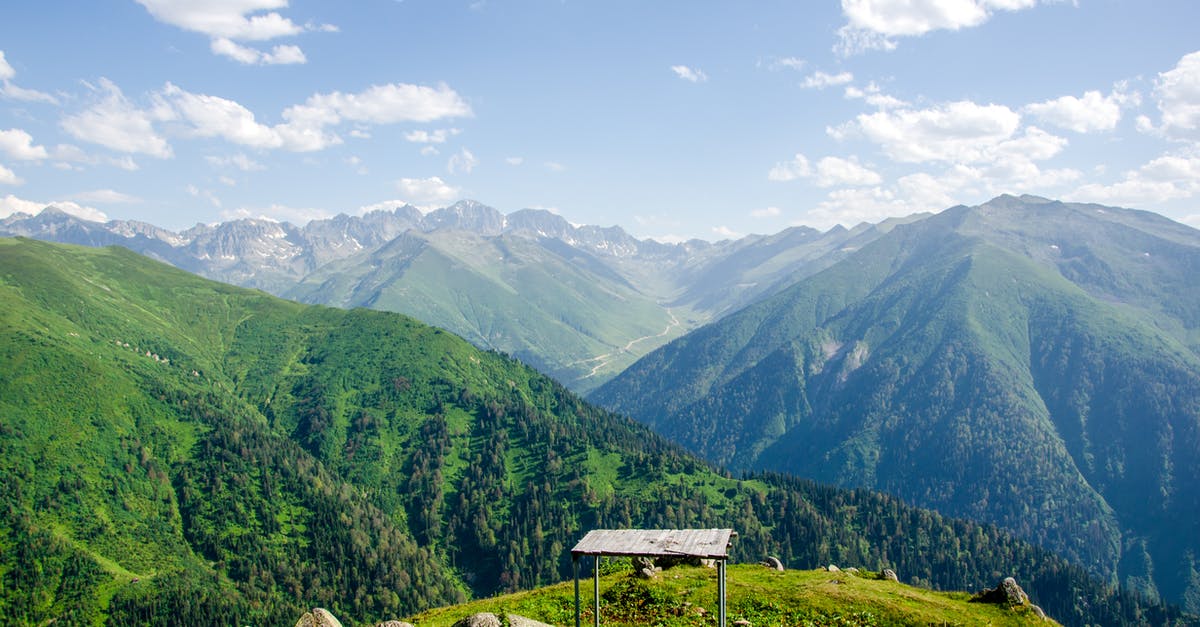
(469, 268)
(1026, 362)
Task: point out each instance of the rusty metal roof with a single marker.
(702, 543)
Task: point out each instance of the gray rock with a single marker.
(1006, 593)
(834, 569)
(890, 575)
(515, 620)
(482, 619)
(318, 617)
(394, 623)
(773, 563)
(741, 622)
(852, 570)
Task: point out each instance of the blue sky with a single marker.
(673, 119)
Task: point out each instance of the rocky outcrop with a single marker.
(394, 623)
(890, 575)
(773, 563)
(515, 620)
(482, 619)
(1008, 594)
(318, 617)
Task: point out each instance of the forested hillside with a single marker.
(177, 447)
(1027, 363)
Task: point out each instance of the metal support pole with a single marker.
(721, 592)
(575, 571)
(596, 590)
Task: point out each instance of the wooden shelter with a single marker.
(696, 543)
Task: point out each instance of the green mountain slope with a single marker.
(1025, 363)
(177, 447)
(551, 305)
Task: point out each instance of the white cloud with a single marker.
(239, 161)
(1178, 94)
(871, 24)
(689, 74)
(18, 144)
(514, 160)
(276, 213)
(463, 162)
(438, 136)
(387, 205)
(11, 91)
(956, 132)
(227, 22)
(115, 123)
(765, 212)
(428, 193)
(555, 166)
(834, 171)
(385, 104)
(829, 172)
(873, 96)
(212, 116)
(1169, 177)
(790, 170)
(105, 196)
(8, 177)
(821, 80)
(279, 55)
(307, 126)
(1092, 112)
(11, 204)
(791, 63)
(725, 232)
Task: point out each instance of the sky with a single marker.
(673, 119)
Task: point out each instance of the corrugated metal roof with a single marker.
(702, 543)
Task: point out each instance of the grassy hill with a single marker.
(688, 596)
(176, 447)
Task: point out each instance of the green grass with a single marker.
(688, 596)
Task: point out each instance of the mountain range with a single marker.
(580, 303)
(1025, 362)
(175, 447)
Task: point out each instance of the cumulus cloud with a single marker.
(872, 24)
(821, 80)
(228, 22)
(276, 213)
(115, 123)
(11, 204)
(18, 144)
(438, 136)
(462, 162)
(11, 91)
(835, 171)
(1092, 112)
(1178, 94)
(105, 197)
(874, 96)
(8, 177)
(239, 161)
(689, 74)
(428, 193)
(957, 131)
(790, 170)
(829, 172)
(725, 232)
(1165, 178)
(514, 160)
(279, 55)
(765, 212)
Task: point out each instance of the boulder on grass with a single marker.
(318, 617)
(482, 619)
